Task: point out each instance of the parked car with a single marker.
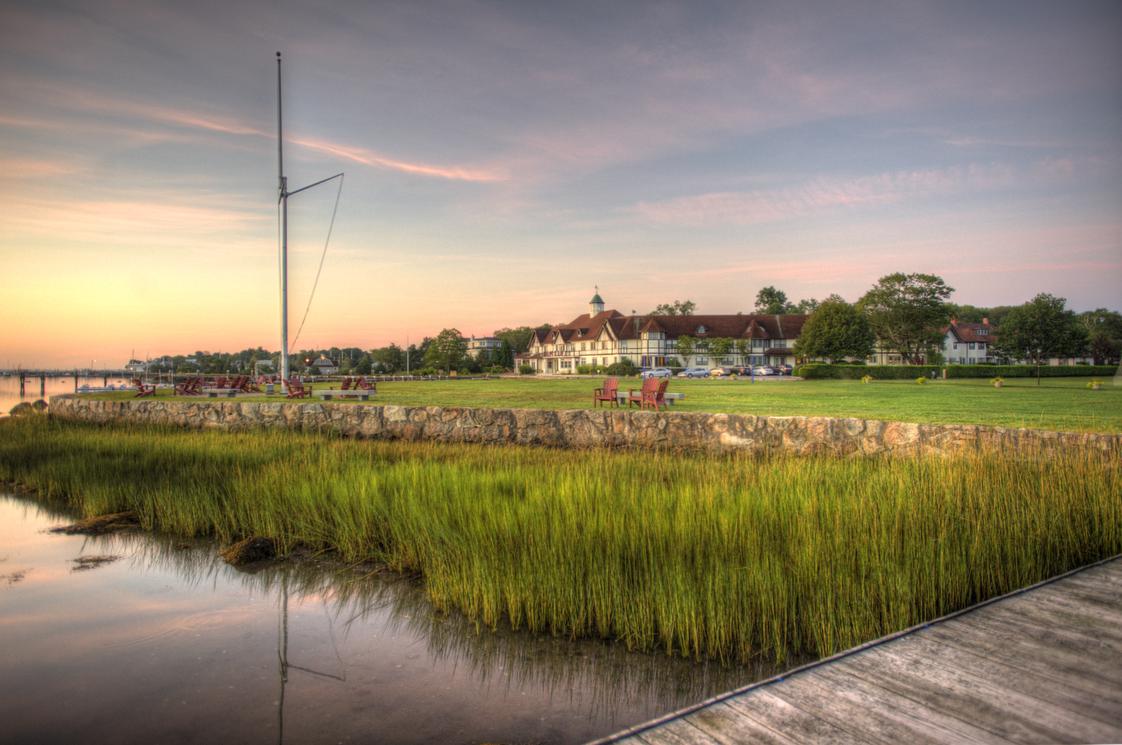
(694, 372)
(785, 370)
(764, 370)
(719, 372)
(656, 372)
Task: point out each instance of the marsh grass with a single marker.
(724, 557)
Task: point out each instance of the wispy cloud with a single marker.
(827, 193)
(88, 102)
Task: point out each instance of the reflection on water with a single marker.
(9, 388)
(169, 644)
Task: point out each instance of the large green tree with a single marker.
(719, 347)
(771, 301)
(834, 331)
(519, 338)
(675, 308)
(1041, 329)
(1104, 335)
(447, 350)
(685, 346)
(389, 359)
(907, 312)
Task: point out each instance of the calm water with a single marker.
(168, 644)
(9, 389)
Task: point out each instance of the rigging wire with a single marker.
(319, 270)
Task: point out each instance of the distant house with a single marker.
(604, 337)
(136, 366)
(324, 366)
(969, 343)
(489, 344)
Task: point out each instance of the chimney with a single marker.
(985, 322)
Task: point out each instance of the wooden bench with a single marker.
(217, 392)
(669, 397)
(361, 395)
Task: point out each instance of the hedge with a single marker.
(822, 371)
(1029, 371)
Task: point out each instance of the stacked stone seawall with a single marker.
(582, 428)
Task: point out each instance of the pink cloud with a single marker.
(824, 194)
(86, 101)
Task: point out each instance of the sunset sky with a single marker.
(501, 159)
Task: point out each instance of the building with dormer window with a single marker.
(604, 337)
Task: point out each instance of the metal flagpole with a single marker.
(283, 186)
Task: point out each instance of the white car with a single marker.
(763, 370)
(656, 372)
(694, 372)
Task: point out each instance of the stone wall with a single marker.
(582, 428)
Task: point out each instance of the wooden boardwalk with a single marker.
(1043, 665)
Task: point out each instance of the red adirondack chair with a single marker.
(657, 399)
(609, 392)
(363, 385)
(650, 388)
(296, 389)
(189, 387)
(143, 389)
(346, 384)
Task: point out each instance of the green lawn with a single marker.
(1057, 403)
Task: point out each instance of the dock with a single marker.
(1040, 665)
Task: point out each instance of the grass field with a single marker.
(1058, 403)
(718, 556)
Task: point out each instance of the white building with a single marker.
(604, 337)
(968, 343)
(478, 345)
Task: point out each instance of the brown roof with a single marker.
(739, 326)
(969, 332)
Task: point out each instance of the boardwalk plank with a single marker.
(1049, 662)
(851, 703)
(729, 724)
(996, 708)
(1044, 688)
(767, 708)
(1108, 611)
(936, 724)
(1025, 628)
(677, 732)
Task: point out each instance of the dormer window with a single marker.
(701, 329)
(983, 332)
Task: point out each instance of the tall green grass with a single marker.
(723, 557)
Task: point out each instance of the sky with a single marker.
(504, 159)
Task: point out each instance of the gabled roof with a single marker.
(587, 327)
(969, 332)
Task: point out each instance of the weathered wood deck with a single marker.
(1040, 665)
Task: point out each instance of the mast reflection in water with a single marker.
(170, 644)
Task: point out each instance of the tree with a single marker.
(771, 301)
(1104, 335)
(1041, 329)
(719, 347)
(504, 358)
(676, 308)
(389, 359)
(804, 306)
(519, 338)
(907, 313)
(446, 351)
(686, 346)
(834, 331)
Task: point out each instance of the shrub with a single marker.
(623, 368)
(526, 370)
(1027, 371)
(921, 380)
(867, 378)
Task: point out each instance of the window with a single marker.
(701, 329)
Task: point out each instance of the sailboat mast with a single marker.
(283, 186)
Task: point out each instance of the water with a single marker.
(9, 388)
(169, 644)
